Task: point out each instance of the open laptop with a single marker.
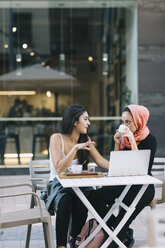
(129, 163)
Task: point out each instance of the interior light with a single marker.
(62, 63)
(43, 63)
(48, 93)
(16, 93)
(105, 64)
(6, 45)
(14, 155)
(45, 152)
(105, 57)
(32, 53)
(18, 57)
(90, 58)
(24, 46)
(14, 29)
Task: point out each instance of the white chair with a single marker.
(27, 216)
(156, 229)
(39, 173)
(156, 219)
(158, 171)
(39, 176)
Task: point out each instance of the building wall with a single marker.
(151, 45)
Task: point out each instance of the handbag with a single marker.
(87, 229)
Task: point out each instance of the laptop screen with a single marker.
(129, 163)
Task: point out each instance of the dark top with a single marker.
(148, 143)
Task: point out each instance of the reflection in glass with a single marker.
(63, 53)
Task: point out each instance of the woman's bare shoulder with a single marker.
(55, 137)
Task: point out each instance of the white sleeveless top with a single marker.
(53, 171)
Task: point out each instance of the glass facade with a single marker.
(56, 53)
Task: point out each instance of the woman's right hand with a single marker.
(117, 137)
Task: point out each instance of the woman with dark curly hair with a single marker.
(71, 146)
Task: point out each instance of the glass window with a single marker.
(58, 54)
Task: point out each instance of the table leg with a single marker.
(99, 219)
(129, 212)
(102, 222)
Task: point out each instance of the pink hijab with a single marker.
(140, 116)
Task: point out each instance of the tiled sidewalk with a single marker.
(14, 237)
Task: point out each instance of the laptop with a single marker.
(128, 163)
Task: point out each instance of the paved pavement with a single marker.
(15, 237)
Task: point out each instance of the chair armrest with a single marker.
(18, 185)
(23, 194)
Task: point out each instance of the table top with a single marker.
(109, 181)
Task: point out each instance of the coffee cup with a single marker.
(75, 168)
(122, 129)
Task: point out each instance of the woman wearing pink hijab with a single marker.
(135, 118)
(136, 137)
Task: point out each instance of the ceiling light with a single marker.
(48, 93)
(43, 63)
(6, 45)
(32, 53)
(105, 57)
(24, 46)
(105, 64)
(14, 29)
(18, 57)
(90, 58)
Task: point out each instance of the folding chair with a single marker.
(27, 216)
(39, 173)
(39, 176)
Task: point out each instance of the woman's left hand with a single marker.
(84, 146)
(130, 136)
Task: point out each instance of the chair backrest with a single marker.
(39, 172)
(158, 171)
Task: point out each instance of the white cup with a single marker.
(75, 168)
(122, 129)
